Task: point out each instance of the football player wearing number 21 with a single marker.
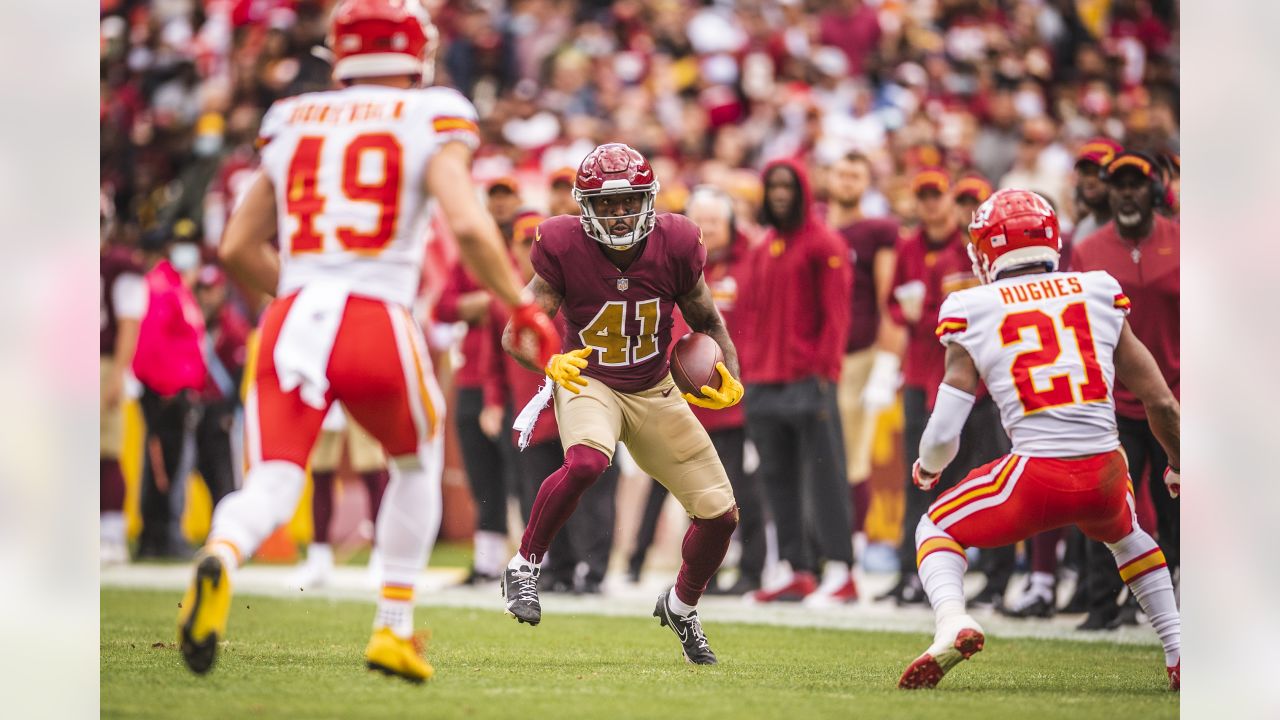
(1050, 347)
(345, 181)
(616, 272)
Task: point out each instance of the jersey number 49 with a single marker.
(304, 201)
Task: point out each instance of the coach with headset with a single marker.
(1140, 248)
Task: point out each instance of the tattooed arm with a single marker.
(546, 298)
(700, 312)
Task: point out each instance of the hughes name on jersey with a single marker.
(348, 167)
(1044, 345)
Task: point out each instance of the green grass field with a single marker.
(303, 659)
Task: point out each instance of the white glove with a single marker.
(923, 479)
(882, 384)
(1173, 481)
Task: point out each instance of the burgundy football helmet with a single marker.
(616, 169)
(1011, 229)
(374, 38)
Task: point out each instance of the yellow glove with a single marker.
(729, 394)
(566, 369)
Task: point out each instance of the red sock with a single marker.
(375, 483)
(558, 498)
(111, 485)
(321, 504)
(861, 497)
(1044, 551)
(703, 550)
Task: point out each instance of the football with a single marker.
(693, 363)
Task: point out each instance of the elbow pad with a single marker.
(941, 437)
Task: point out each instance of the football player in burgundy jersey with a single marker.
(616, 273)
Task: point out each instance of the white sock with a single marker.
(320, 554)
(406, 529)
(1042, 585)
(1142, 567)
(111, 528)
(942, 563)
(678, 606)
(518, 561)
(490, 548)
(834, 576)
(248, 516)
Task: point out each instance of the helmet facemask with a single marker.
(596, 226)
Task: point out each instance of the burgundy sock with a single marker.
(860, 494)
(702, 551)
(111, 485)
(558, 497)
(321, 504)
(375, 483)
(1044, 551)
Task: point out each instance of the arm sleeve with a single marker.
(452, 117)
(953, 322)
(447, 305)
(129, 296)
(545, 263)
(899, 277)
(496, 390)
(941, 439)
(691, 262)
(835, 291)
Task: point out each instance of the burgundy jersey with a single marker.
(116, 261)
(866, 238)
(624, 316)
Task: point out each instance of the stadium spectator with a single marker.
(869, 374)
(124, 299)
(225, 337)
(1140, 247)
(798, 312)
(169, 362)
(711, 209)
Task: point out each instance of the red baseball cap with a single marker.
(1100, 151)
(930, 178)
(566, 175)
(505, 182)
(1135, 160)
(973, 186)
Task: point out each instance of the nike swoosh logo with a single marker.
(667, 392)
(684, 634)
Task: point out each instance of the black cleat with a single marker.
(689, 629)
(520, 590)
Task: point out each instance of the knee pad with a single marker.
(926, 529)
(584, 464)
(724, 523)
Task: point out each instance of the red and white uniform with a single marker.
(1044, 345)
(348, 170)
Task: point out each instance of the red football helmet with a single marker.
(374, 38)
(616, 169)
(1011, 229)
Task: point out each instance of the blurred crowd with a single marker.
(928, 99)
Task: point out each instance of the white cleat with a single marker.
(316, 571)
(957, 639)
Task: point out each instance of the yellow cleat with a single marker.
(202, 619)
(387, 653)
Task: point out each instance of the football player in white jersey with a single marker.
(345, 182)
(1050, 346)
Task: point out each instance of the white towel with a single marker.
(528, 417)
(306, 339)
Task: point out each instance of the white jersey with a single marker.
(349, 170)
(1045, 347)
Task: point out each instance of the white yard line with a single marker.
(438, 587)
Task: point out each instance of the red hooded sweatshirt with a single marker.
(796, 297)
